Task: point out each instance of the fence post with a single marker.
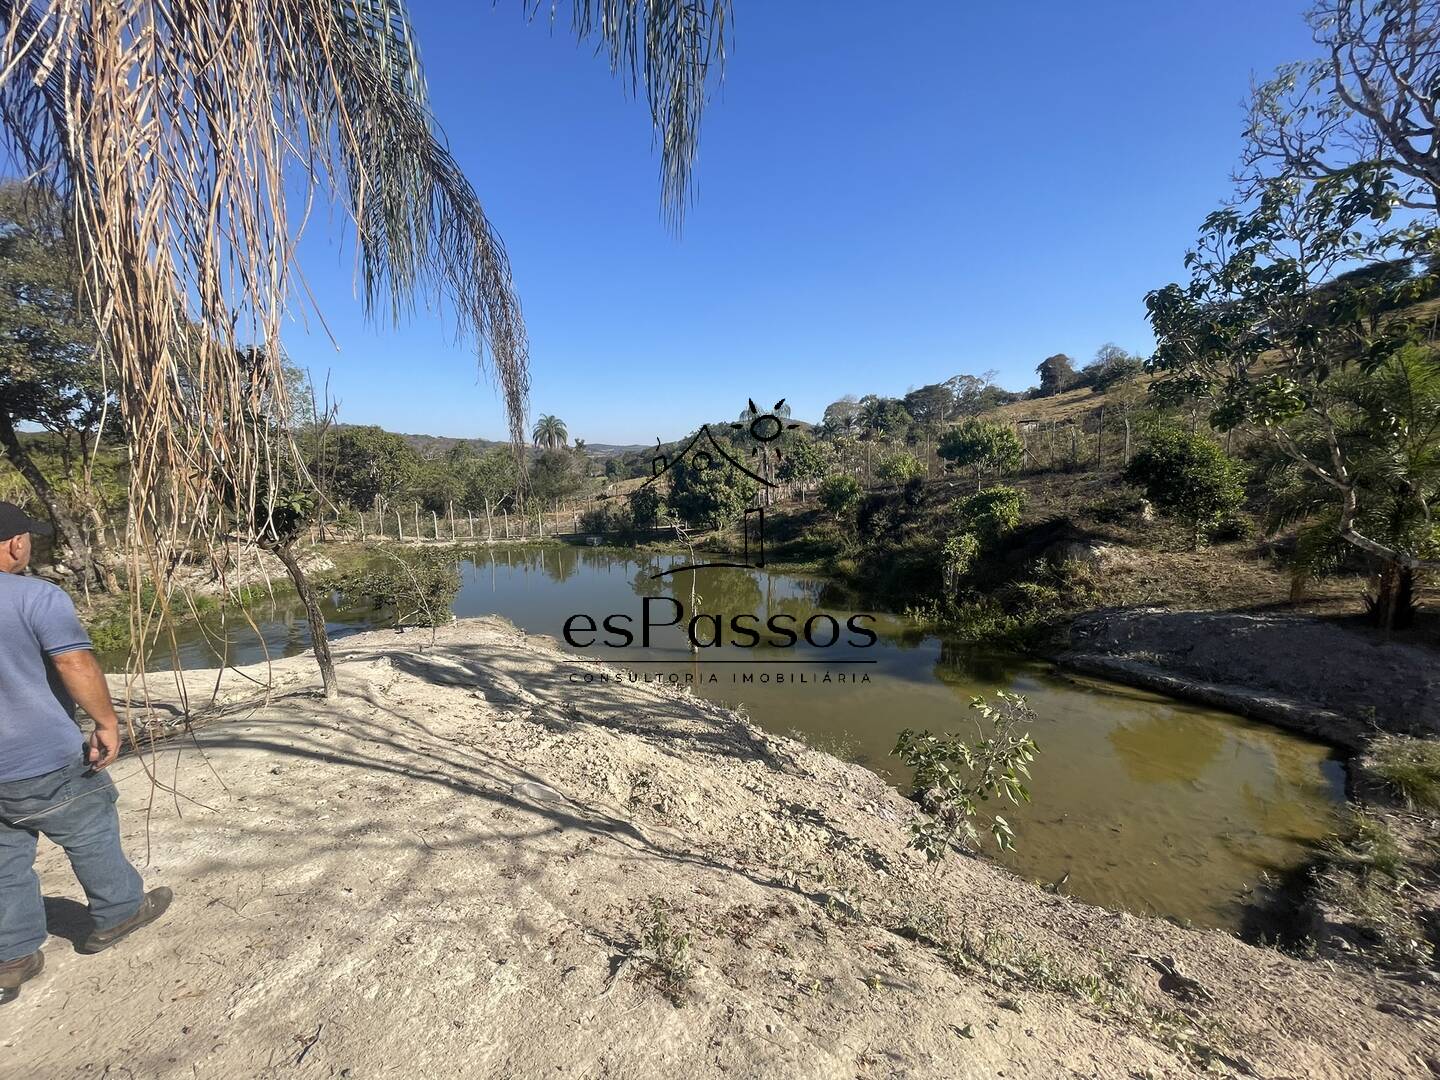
(417, 521)
(471, 516)
(399, 528)
(435, 523)
(507, 524)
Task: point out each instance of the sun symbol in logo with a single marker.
(764, 427)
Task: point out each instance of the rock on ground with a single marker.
(472, 865)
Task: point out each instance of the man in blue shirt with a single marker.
(52, 778)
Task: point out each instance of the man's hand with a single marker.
(86, 683)
(102, 746)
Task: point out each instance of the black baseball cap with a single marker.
(14, 521)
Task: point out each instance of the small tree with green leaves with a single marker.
(805, 459)
(710, 495)
(1188, 477)
(365, 466)
(992, 513)
(1290, 289)
(981, 520)
(899, 468)
(955, 779)
(646, 505)
(983, 445)
(839, 494)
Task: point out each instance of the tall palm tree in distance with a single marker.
(550, 432)
(191, 141)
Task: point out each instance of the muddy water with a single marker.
(1140, 802)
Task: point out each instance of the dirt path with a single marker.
(454, 870)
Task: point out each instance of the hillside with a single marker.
(430, 446)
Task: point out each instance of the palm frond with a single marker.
(672, 47)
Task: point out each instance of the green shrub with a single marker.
(612, 518)
(992, 513)
(645, 506)
(839, 494)
(899, 468)
(982, 445)
(805, 458)
(954, 777)
(417, 588)
(711, 496)
(1188, 477)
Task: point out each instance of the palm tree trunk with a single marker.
(316, 618)
(1393, 607)
(68, 531)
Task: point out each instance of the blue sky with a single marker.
(887, 196)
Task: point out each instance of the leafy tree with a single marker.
(842, 417)
(1387, 421)
(975, 394)
(1057, 374)
(610, 518)
(883, 417)
(1112, 365)
(930, 405)
(555, 474)
(983, 444)
(1189, 477)
(992, 513)
(550, 432)
(367, 466)
(759, 441)
(1271, 315)
(49, 372)
(489, 478)
(439, 483)
(711, 496)
(646, 503)
(805, 459)
(1371, 99)
(899, 468)
(981, 520)
(839, 494)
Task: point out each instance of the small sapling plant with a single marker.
(954, 779)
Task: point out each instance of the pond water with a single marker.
(1140, 802)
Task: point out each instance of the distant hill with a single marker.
(430, 446)
(609, 450)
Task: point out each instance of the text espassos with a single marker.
(707, 630)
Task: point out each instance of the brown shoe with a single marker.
(151, 908)
(20, 970)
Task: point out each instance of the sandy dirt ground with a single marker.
(473, 865)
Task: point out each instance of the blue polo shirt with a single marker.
(38, 733)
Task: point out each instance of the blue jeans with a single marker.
(75, 809)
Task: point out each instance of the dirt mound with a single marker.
(1264, 665)
(478, 862)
